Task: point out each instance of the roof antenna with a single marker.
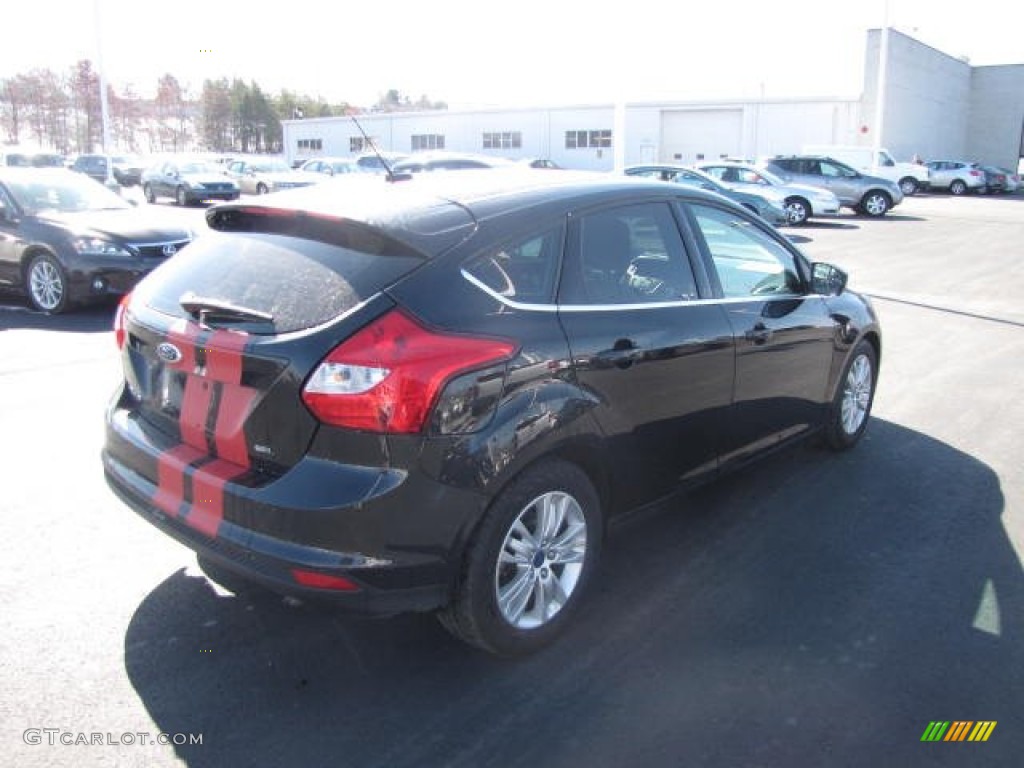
(391, 176)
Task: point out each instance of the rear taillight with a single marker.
(977, 173)
(387, 376)
(119, 332)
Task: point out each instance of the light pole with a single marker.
(883, 65)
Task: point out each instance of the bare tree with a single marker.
(85, 99)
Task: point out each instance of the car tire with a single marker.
(875, 204)
(850, 410)
(181, 196)
(147, 191)
(957, 187)
(798, 211)
(47, 285)
(908, 186)
(261, 189)
(529, 562)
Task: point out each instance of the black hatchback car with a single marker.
(434, 394)
(65, 239)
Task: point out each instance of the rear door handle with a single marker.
(622, 355)
(759, 334)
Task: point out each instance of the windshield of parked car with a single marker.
(767, 175)
(271, 166)
(61, 191)
(199, 168)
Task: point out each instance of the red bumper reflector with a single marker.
(323, 581)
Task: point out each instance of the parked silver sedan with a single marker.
(257, 177)
(801, 201)
(331, 166)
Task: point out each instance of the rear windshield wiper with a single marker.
(208, 311)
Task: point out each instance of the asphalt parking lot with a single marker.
(816, 610)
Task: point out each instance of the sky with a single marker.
(493, 54)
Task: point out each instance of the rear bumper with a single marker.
(396, 536)
(235, 549)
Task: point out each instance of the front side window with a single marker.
(629, 255)
(836, 171)
(748, 261)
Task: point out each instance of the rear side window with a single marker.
(301, 283)
(523, 270)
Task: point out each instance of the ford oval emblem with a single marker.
(168, 352)
(170, 249)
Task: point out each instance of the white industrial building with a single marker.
(935, 106)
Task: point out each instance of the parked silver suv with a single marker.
(958, 176)
(869, 195)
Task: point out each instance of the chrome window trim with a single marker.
(528, 307)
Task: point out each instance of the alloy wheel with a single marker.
(46, 285)
(541, 560)
(856, 395)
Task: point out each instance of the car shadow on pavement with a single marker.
(816, 609)
(899, 217)
(15, 314)
(828, 224)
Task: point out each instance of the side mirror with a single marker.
(827, 280)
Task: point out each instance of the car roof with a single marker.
(440, 156)
(434, 210)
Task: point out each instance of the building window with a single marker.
(427, 141)
(585, 139)
(503, 140)
(311, 145)
(361, 144)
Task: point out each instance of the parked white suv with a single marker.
(911, 177)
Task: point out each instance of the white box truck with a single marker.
(910, 176)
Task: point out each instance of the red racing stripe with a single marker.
(222, 364)
(195, 402)
(224, 356)
(208, 482)
(171, 467)
(235, 402)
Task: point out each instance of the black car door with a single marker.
(784, 334)
(169, 180)
(656, 360)
(10, 241)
